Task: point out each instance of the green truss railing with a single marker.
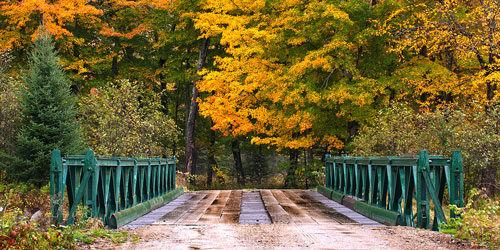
(394, 184)
(107, 185)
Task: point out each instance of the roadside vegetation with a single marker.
(478, 221)
(26, 222)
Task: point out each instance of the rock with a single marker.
(37, 217)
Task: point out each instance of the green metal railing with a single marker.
(394, 184)
(107, 185)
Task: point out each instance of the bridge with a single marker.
(251, 207)
(131, 193)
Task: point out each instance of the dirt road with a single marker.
(282, 236)
(269, 219)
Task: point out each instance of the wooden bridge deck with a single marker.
(251, 207)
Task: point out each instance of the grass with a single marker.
(93, 235)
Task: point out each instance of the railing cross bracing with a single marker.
(386, 188)
(116, 189)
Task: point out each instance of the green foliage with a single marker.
(303, 175)
(478, 221)
(10, 119)
(125, 120)
(401, 130)
(258, 167)
(222, 180)
(17, 202)
(5, 61)
(24, 197)
(10, 113)
(17, 231)
(93, 235)
(25, 235)
(90, 230)
(257, 163)
(48, 113)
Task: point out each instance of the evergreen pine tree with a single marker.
(258, 168)
(48, 112)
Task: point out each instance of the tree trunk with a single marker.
(360, 53)
(352, 127)
(290, 178)
(307, 169)
(211, 155)
(191, 154)
(164, 96)
(114, 66)
(490, 90)
(310, 155)
(489, 174)
(211, 163)
(260, 174)
(488, 179)
(114, 63)
(176, 117)
(235, 146)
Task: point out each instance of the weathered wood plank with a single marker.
(231, 212)
(214, 211)
(194, 214)
(276, 212)
(298, 215)
(343, 210)
(173, 216)
(253, 210)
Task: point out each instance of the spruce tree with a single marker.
(48, 112)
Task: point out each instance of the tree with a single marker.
(297, 74)
(258, 166)
(191, 155)
(126, 120)
(10, 115)
(73, 23)
(10, 104)
(238, 163)
(452, 53)
(49, 115)
(401, 130)
(450, 48)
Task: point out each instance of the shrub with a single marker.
(17, 231)
(25, 197)
(5, 61)
(10, 113)
(478, 221)
(10, 119)
(401, 130)
(17, 203)
(125, 120)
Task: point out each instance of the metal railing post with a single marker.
(56, 186)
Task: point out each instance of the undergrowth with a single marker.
(25, 222)
(479, 221)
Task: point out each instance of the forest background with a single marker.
(254, 93)
(234, 87)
